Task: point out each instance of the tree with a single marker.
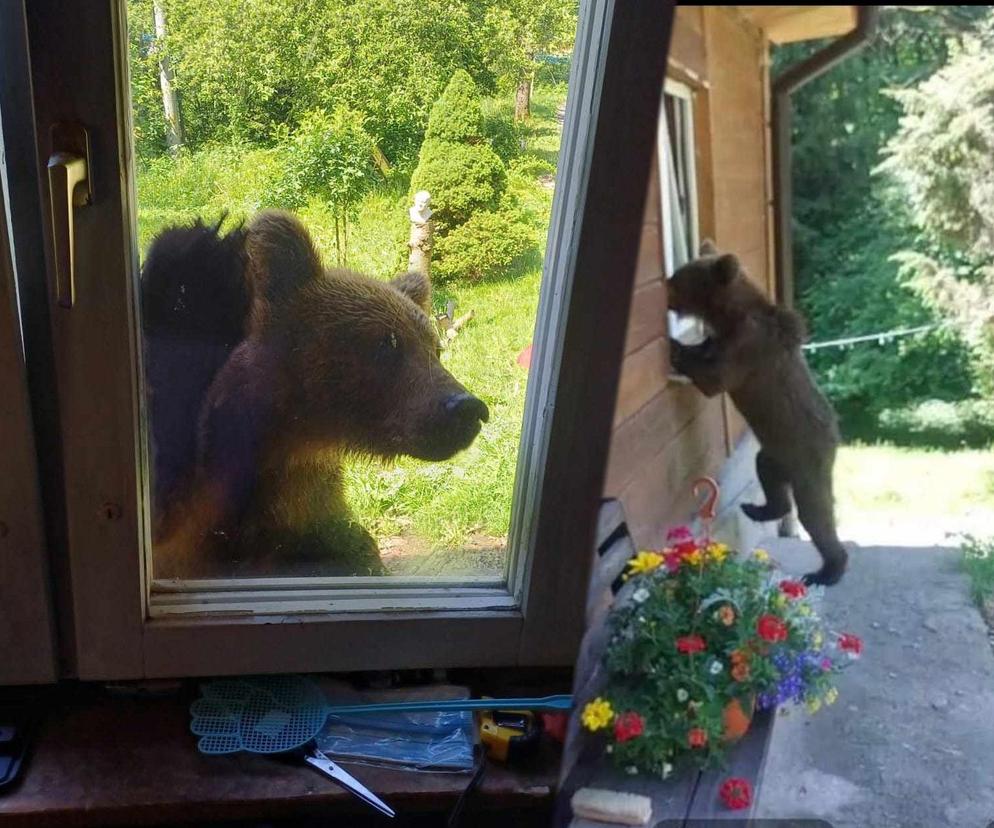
(940, 158)
(848, 224)
(170, 101)
(520, 31)
(329, 157)
(459, 169)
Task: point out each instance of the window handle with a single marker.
(69, 188)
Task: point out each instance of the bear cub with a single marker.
(265, 371)
(754, 353)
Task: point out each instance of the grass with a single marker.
(886, 481)
(465, 502)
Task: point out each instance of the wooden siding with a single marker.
(668, 434)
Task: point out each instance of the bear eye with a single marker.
(388, 348)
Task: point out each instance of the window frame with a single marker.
(568, 431)
(27, 632)
(679, 328)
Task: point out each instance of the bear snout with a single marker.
(467, 407)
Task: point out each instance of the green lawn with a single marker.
(449, 517)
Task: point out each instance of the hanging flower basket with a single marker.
(699, 639)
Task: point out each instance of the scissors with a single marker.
(317, 759)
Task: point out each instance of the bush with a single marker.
(331, 156)
(940, 424)
(462, 178)
(462, 173)
(485, 247)
(503, 134)
(457, 115)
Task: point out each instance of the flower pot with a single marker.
(736, 718)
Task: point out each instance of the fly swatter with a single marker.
(272, 714)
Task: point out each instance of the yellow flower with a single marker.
(726, 615)
(814, 705)
(817, 640)
(644, 562)
(717, 552)
(761, 555)
(831, 696)
(779, 600)
(597, 714)
(695, 558)
(804, 609)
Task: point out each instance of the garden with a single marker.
(341, 112)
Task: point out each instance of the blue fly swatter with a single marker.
(275, 714)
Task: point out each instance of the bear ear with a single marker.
(416, 287)
(708, 248)
(727, 268)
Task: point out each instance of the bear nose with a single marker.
(468, 406)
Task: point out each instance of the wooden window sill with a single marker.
(113, 761)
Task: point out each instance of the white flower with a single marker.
(631, 770)
(641, 595)
(682, 695)
(716, 667)
(667, 770)
(609, 749)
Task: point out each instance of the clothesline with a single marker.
(881, 338)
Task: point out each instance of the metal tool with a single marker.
(316, 759)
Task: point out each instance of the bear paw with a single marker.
(761, 514)
(828, 575)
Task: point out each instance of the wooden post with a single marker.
(420, 241)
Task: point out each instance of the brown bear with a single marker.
(327, 363)
(754, 353)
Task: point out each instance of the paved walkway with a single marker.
(911, 740)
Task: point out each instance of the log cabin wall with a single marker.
(667, 434)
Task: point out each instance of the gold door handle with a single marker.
(69, 188)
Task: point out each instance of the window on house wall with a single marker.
(678, 193)
(477, 576)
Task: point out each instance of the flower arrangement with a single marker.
(703, 638)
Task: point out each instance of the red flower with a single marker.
(771, 628)
(697, 737)
(851, 644)
(690, 644)
(685, 548)
(672, 561)
(793, 589)
(679, 533)
(736, 793)
(628, 726)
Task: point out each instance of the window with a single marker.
(127, 620)
(678, 193)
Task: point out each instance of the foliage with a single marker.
(457, 115)
(462, 178)
(939, 423)
(699, 630)
(978, 561)
(459, 169)
(940, 160)
(485, 247)
(247, 69)
(848, 225)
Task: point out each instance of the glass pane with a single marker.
(312, 411)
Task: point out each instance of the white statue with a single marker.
(420, 212)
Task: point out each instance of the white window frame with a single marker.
(680, 328)
(124, 630)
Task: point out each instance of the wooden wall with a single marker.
(667, 434)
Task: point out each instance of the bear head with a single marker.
(360, 357)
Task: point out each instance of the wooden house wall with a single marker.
(667, 434)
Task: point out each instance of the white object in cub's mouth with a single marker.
(688, 330)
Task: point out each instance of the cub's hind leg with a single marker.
(776, 487)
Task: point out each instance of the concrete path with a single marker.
(910, 741)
